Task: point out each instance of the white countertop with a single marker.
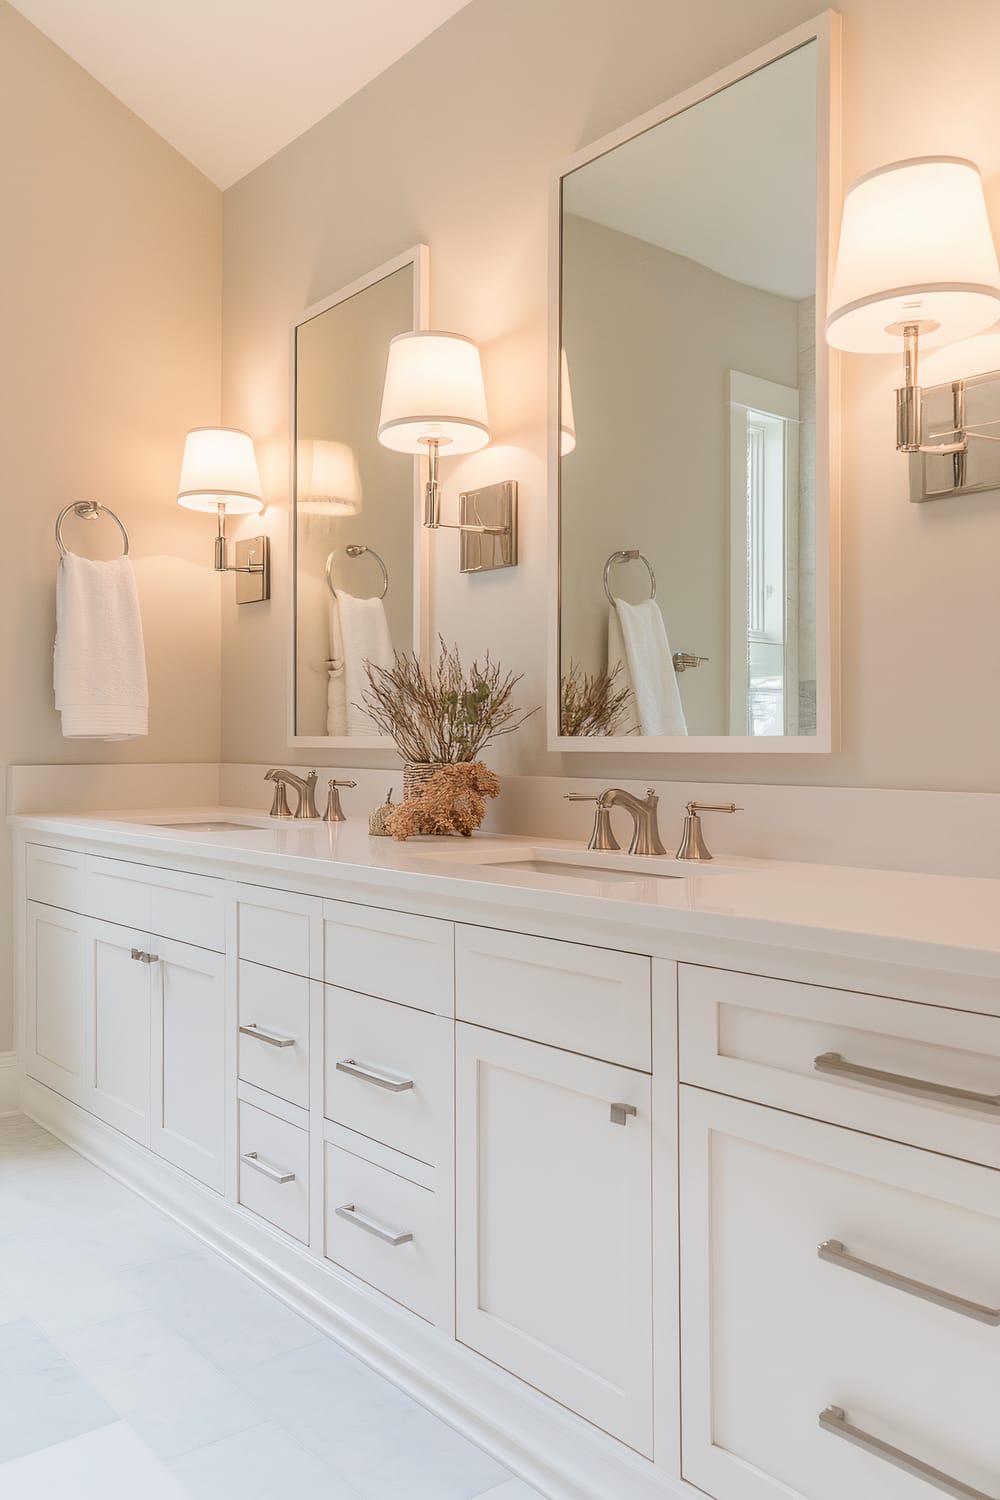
(943, 922)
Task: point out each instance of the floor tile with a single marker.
(109, 1464)
(173, 1397)
(258, 1465)
(514, 1489)
(56, 1285)
(43, 1398)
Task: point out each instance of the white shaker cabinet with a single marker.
(54, 1021)
(117, 1012)
(188, 1059)
(553, 1160)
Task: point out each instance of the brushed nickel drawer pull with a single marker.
(353, 1215)
(832, 1062)
(836, 1253)
(274, 1173)
(272, 1038)
(834, 1419)
(620, 1113)
(391, 1081)
(145, 958)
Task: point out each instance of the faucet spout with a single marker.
(645, 829)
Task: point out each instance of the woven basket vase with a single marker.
(416, 775)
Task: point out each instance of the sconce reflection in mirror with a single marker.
(916, 269)
(434, 399)
(219, 475)
(328, 479)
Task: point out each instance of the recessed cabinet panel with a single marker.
(170, 903)
(188, 1060)
(56, 974)
(118, 1089)
(274, 1032)
(553, 1225)
(391, 954)
(274, 1170)
(773, 1333)
(275, 928)
(55, 876)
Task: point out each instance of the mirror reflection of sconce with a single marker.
(219, 475)
(567, 424)
(917, 267)
(328, 478)
(434, 398)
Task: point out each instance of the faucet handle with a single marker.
(693, 844)
(334, 812)
(580, 797)
(603, 835)
(279, 803)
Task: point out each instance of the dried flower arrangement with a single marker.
(592, 703)
(442, 715)
(453, 800)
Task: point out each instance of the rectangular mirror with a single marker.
(359, 556)
(694, 424)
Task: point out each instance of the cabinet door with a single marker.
(188, 1062)
(56, 999)
(826, 1271)
(554, 1225)
(117, 1084)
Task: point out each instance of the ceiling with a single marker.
(730, 183)
(229, 82)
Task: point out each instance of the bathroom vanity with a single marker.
(646, 1176)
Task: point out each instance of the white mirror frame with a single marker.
(824, 30)
(418, 256)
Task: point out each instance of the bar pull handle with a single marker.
(272, 1038)
(274, 1174)
(620, 1113)
(835, 1252)
(834, 1419)
(382, 1232)
(832, 1062)
(394, 1082)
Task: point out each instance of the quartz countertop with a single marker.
(943, 922)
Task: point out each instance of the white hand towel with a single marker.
(359, 633)
(336, 694)
(99, 659)
(637, 637)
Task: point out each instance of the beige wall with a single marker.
(109, 349)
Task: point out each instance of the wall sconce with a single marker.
(433, 399)
(328, 478)
(917, 266)
(219, 475)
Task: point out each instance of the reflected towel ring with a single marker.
(357, 549)
(88, 510)
(631, 554)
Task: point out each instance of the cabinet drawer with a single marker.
(274, 1170)
(274, 1031)
(389, 1231)
(825, 1270)
(275, 928)
(389, 1073)
(799, 1046)
(167, 903)
(56, 877)
(590, 1000)
(390, 954)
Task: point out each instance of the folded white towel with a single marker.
(99, 659)
(637, 638)
(359, 633)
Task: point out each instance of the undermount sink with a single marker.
(568, 870)
(211, 825)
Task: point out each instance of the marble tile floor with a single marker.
(136, 1363)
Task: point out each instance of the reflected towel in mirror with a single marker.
(637, 639)
(359, 632)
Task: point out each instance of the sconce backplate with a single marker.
(971, 406)
(254, 554)
(494, 505)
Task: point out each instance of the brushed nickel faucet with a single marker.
(645, 831)
(693, 844)
(305, 788)
(334, 812)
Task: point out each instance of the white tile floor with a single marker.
(134, 1362)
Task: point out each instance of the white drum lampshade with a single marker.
(915, 248)
(219, 468)
(567, 424)
(328, 479)
(433, 393)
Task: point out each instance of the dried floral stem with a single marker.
(592, 704)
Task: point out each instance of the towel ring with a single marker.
(631, 554)
(88, 510)
(357, 549)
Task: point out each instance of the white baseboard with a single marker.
(9, 1084)
(548, 1447)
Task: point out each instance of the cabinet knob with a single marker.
(621, 1112)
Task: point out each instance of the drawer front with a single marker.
(799, 1047)
(167, 903)
(275, 928)
(590, 1000)
(388, 1231)
(390, 954)
(389, 1073)
(824, 1271)
(274, 1170)
(56, 877)
(274, 1031)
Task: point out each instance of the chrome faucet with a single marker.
(645, 832)
(305, 788)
